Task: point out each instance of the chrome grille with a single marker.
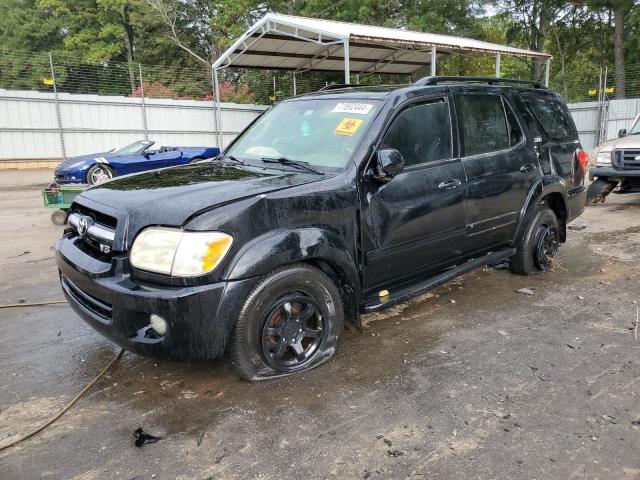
(97, 236)
(628, 159)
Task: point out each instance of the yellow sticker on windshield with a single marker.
(348, 126)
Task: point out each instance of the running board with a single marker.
(374, 304)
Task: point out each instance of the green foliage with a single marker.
(97, 44)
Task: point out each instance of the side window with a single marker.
(552, 116)
(483, 123)
(422, 133)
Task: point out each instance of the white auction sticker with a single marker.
(353, 107)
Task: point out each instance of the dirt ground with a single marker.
(472, 380)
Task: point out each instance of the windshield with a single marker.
(135, 148)
(635, 130)
(321, 132)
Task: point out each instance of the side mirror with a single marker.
(622, 132)
(389, 163)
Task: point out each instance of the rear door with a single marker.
(414, 224)
(500, 168)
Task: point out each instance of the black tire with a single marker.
(196, 160)
(538, 245)
(98, 174)
(259, 346)
(59, 217)
(598, 191)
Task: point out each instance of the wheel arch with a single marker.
(86, 170)
(552, 191)
(314, 246)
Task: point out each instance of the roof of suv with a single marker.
(382, 91)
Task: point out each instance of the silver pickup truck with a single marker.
(617, 166)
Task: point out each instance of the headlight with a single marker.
(182, 254)
(603, 158)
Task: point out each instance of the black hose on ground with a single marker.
(113, 362)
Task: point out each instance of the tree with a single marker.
(619, 9)
(532, 22)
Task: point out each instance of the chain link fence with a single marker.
(28, 71)
(136, 84)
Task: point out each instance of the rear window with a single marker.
(552, 116)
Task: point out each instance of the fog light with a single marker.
(158, 324)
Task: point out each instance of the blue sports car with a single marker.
(137, 157)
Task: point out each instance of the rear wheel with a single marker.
(290, 323)
(539, 244)
(98, 174)
(599, 190)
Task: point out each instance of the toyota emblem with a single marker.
(83, 226)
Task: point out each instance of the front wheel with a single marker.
(289, 323)
(539, 245)
(98, 174)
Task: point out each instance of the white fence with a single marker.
(620, 114)
(30, 127)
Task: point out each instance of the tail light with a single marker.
(583, 160)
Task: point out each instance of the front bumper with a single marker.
(62, 177)
(613, 174)
(199, 319)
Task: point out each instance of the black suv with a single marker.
(331, 204)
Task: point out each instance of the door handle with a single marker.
(449, 184)
(530, 167)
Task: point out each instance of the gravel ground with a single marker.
(472, 380)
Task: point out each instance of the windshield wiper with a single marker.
(292, 163)
(230, 157)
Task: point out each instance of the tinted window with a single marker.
(515, 132)
(484, 125)
(422, 133)
(552, 115)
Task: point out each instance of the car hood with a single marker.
(70, 163)
(170, 196)
(630, 141)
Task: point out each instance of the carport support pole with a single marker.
(547, 72)
(434, 59)
(295, 89)
(55, 98)
(218, 117)
(347, 71)
(142, 104)
(497, 65)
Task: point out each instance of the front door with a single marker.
(414, 224)
(500, 168)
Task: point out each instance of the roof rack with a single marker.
(336, 86)
(488, 80)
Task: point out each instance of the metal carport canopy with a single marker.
(285, 42)
(299, 44)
